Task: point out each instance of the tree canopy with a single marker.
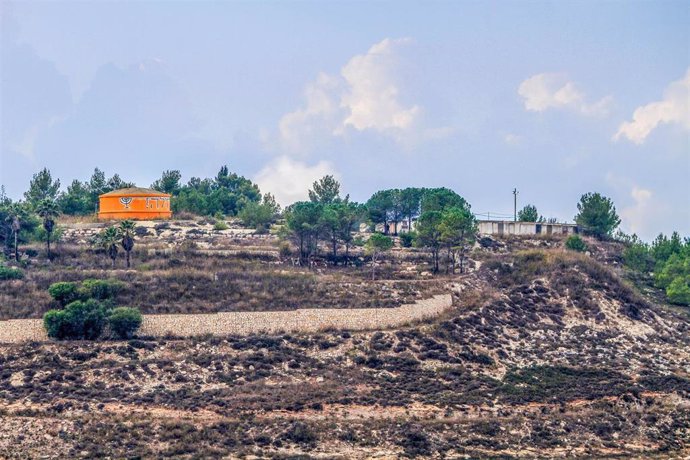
(597, 215)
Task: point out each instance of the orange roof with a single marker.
(134, 191)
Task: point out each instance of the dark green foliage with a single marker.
(77, 200)
(325, 191)
(597, 215)
(81, 198)
(101, 289)
(80, 320)
(168, 183)
(678, 291)
(66, 292)
(429, 234)
(10, 273)
(669, 258)
(304, 220)
(528, 214)
(260, 215)
(42, 187)
(227, 193)
(124, 321)
(407, 239)
(440, 199)
(576, 243)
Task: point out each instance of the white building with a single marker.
(504, 227)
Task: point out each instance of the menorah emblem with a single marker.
(126, 200)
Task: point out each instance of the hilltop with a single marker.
(545, 353)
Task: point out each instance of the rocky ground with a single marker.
(545, 354)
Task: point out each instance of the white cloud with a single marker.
(546, 91)
(643, 214)
(673, 108)
(289, 180)
(364, 96)
(371, 97)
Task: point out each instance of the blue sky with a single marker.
(554, 98)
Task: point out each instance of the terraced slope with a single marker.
(546, 354)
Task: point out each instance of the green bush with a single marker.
(78, 321)
(575, 243)
(407, 239)
(10, 273)
(65, 292)
(678, 291)
(220, 225)
(101, 289)
(124, 321)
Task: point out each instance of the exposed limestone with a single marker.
(245, 323)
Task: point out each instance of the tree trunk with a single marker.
(48, 241)
(127, 259)
(301, 250)
(373, 266)
(16, 246)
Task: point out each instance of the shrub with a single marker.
(10, 273)
(79, 320)
(220, 225)
(678, 291)
(285, 250)
(407, 239)
(124, 321)
(65, 292)
(575, 243)
(101, 289)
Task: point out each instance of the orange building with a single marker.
(134, 203)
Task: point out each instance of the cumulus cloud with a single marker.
(643, 213)
(289, 180)
(365, 96)
(673, 108)
(371, 98)
(546, 91)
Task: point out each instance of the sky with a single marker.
(556, 99)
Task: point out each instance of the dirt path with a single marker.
(246, 323)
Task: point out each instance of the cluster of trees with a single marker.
(20, 222)
(227, 193)
(86, 309)
(668, 259)
(325, 217)
(394, 206)
(444, 221)
(110, 238)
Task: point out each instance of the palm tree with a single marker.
(15, 216)
(126, 230)
(48, 210)
(108, 240)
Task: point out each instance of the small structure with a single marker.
(134, 203)
(503, 227)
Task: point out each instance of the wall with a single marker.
(134, 207)
(493, 227)
(244, 323)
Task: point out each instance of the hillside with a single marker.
(545, 353)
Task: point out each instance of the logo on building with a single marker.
(126, 200)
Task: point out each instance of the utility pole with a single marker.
(515, 194)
